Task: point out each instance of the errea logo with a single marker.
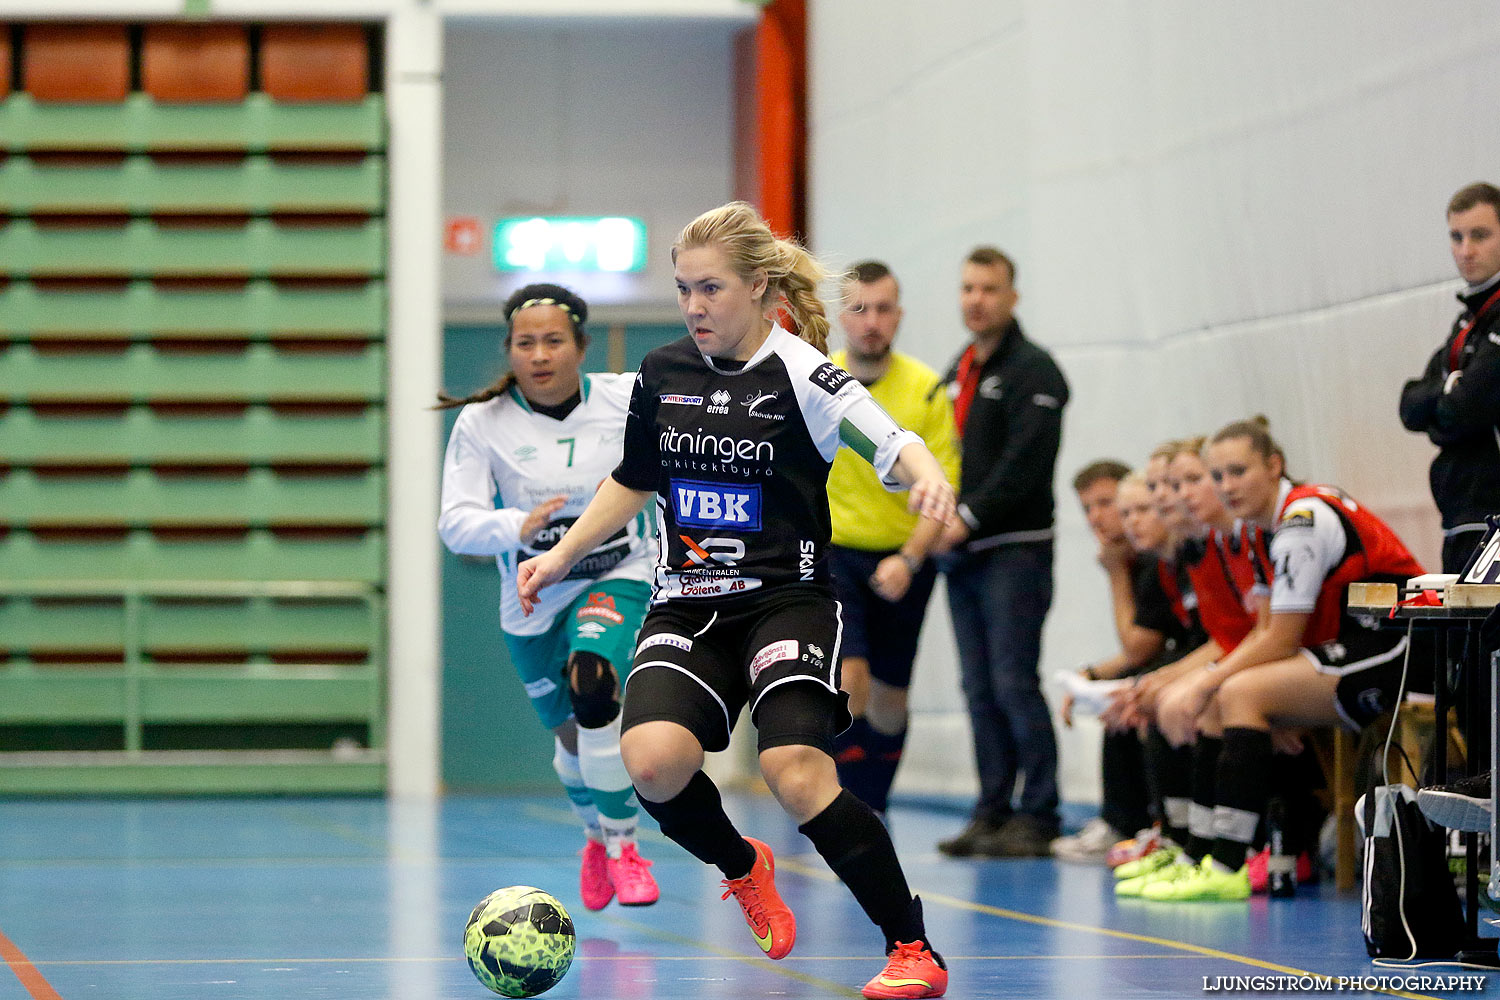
(719, 402)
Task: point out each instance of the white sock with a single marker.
(569, 773)
(608, 782)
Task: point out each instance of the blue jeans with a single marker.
(999, 600)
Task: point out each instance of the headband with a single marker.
(577, 320)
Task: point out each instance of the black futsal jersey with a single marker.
(739, 460)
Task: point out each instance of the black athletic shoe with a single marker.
(963, 845)
(1462, 805)
(1021, 836)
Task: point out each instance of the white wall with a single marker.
(1216, 210)
(599, 119)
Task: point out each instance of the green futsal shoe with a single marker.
(1207, 883)
(1180, 867)
(1159, 858)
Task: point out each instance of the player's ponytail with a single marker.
(799, 287)
(499, 387)
(792, 274)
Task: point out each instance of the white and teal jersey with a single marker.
(504, 459)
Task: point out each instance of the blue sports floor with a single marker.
(213, 899)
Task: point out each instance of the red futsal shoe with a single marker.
(910, 971)
(770, 919)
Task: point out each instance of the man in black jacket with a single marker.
(1457, 403)
(1457, 399)
(1008, 400)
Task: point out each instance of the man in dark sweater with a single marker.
(1456, 402)
(1008, 398)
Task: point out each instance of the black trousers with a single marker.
(1127, 795)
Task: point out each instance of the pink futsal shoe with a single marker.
(1258, 868)
(593, 878)
(630, 874)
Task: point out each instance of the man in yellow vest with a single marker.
(881, 570)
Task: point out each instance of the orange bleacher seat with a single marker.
(314, 62)
(77, 62)
(196, 62)
(4, 59)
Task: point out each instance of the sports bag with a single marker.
(1408, 906)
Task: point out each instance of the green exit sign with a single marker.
(570, 243)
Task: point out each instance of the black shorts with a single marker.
(1368, 663)
(698, 664)
(882, 632)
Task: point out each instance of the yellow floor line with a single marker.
(308, 818)
(793, 865)
(723, 956)
(759, 962)
(822, 874)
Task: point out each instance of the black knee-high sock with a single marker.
(695, 819)
(1244, 788)
(854, 758)
(1297, 779)
(1172, 775)
(859, 850)
(1205, 787)
(885, 757)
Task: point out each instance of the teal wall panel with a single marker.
(492, 740)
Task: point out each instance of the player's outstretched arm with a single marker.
(930, 493)
(606, 514)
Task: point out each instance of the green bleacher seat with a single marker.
(140, 124)
(141, 185)
(143, 310)
(39, 624)
(258, 554)
(260, 436)
(143, 372)
(142, 497)
(143, 248)
(260, 625)
(43, 694)
(206, 695)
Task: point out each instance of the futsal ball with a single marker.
(519, 941)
